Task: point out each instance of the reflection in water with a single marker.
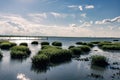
(43, 69)
(17, 60)
(101, 69)
(21, 76)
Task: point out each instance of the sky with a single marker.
(72, 18)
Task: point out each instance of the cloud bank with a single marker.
(19, 25)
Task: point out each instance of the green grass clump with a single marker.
(48, 46)
(109, 46)
(56, 55)
(1, 55)
(34, 42)
(40, 60)
(104, 43)
(20, 52)
(23, 44)
(81, 43)
(90, 45)
(6, 45)
(52, 54)
(56, 43)
(80, 50)
(95, 42)
(84, 48)
(71, 47)
(76, 51)
(99, 60)
(45, 43)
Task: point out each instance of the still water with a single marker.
(72, 70)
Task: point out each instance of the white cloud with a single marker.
(73, 25)
(83, 15)
(89, 6)
(72, 6)
(80, 7)
(16, 24)
(22, 77)
(38, 15)
(105, 21)
(58, 15)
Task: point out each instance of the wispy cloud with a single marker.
(80, 7)
(16, 24)
(105, 21)
(83, 15)
(89, 6)
(58, 15)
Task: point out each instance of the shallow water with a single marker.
(72, 70)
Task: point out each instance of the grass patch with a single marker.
(23, 44)
(45, 43)
(109, 46)
(7, 45)
(71, 47)
(1, 55)
(40, 60)
(99, 60)
(54, 54)
(80, 50)
(20, 52)
(56, 43)
(34, 42)
(83, 43)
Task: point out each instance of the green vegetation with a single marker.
(1, 55)
(54, 54)
(40, 60)
(56, 43)
(95, 42)
(84, 48)
(76, 51)
(71, 47)
(99, 60)
(23, 44)
(83, 43)
(45, 43)
(48, 46)
(80, 49)
(7, 45)
(109, 46)
(34, 42)
(20, 52)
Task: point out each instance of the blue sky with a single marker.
(81, 18)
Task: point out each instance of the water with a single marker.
(72, 70)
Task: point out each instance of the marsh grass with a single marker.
(5, 45)
(20, 52)
(53, 53)
(45, 43)
(34, 42)
(99, 60)
(78, 50)
(1, 55)
(56, 43)
(109, 46)
(23, 44)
